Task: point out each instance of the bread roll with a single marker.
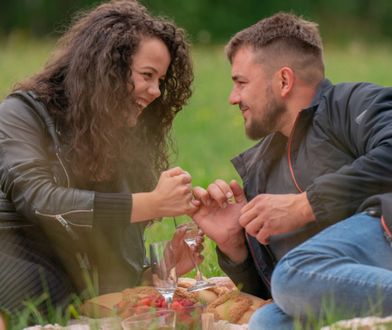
(203, 296)
(182, 293)
(139, 292)
(101, 306)
(256, 304)
(223, 282)
(235, 307)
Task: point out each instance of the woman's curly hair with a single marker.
(84, 86)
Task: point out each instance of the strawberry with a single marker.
(176, 305)
(159, 302)
(145, 302)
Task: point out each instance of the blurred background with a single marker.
(209, 132)
(214, 20)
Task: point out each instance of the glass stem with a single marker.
(199, 276)
(169, 300)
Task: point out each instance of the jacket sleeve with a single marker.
(25, 173)
(244, 275)
(80, 226)
(358, 121)
(28, 180)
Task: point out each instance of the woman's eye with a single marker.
(147, 74)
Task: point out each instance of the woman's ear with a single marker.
(286, 79)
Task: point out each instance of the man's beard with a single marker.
(261, 127)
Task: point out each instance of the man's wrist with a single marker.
(306, 208)
(237, 253)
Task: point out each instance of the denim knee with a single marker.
(270, 317)
(281, 287)
(291, 287)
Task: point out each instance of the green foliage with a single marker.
(32, 315)
(207, 20)
(19, 58)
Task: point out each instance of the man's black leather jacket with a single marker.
(341, 154)
(35, 180)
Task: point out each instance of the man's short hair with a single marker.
(284, 38)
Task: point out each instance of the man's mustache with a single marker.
(242, 106)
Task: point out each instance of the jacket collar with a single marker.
(322, 88)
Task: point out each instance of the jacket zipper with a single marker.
(289, 143)
(83, 257)
(64, 223)
(264, 278)
(65, 171)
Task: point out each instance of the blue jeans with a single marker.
(347, 266)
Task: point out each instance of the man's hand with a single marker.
(268, 215)
(218, 217)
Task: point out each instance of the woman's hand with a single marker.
(183, 253)
(173, 193)
(172, 196)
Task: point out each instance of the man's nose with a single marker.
(234, 97)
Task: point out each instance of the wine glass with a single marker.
(163, 265)
(191, 233)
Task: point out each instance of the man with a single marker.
(310, 210)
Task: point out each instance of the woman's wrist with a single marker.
(145, 206)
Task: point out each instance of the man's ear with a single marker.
(286, 78)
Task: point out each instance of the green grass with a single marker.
(209, 132)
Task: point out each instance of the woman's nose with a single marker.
(154, 90)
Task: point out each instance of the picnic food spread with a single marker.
(224, 301)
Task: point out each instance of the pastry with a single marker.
(203, 296)
(235, 307)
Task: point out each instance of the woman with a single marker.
(83, 143)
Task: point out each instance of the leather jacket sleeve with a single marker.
(28, 175)
(84, 228)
